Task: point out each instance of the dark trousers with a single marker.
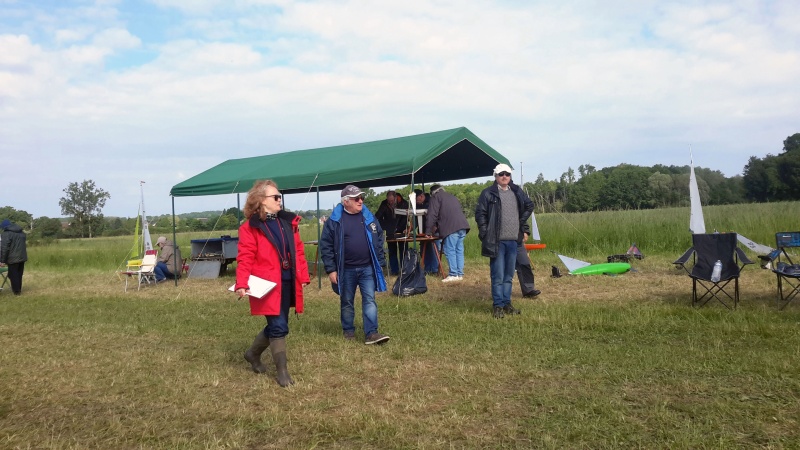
(15, 276)
(396, 249)
(524, 270)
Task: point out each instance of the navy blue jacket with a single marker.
(331, 244)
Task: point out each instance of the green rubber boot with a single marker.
(278, 347)
(253, 354)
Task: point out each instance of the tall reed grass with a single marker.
(589, 235)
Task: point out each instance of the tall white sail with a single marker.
(535, 228)
(697, 224)
(148, 243)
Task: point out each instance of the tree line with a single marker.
(626, 186)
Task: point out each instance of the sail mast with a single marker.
(147, 242)
(534, 226)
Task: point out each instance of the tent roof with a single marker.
(432, 157)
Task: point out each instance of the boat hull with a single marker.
(603, 269)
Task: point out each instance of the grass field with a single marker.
(594, 362)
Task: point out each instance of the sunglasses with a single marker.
(276, 197)
(503, 174)
(356, 199)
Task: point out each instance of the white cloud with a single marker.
(552, 85)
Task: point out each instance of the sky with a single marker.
(120, 91)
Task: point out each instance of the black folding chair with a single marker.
(785, 269)
(706, 250)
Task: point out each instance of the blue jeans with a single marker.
(162, 271)
(278, 326)
(453, 249)
(501, 269)
(364, 278)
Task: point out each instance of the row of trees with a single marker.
(772, 178)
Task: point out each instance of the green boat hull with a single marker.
(603, 269)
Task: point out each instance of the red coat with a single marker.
(259, 257)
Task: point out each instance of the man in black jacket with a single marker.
(502, 216)
(13, 253)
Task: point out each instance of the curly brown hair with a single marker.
(255, 196)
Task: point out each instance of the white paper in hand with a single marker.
(258, 286)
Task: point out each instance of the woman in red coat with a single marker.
(270, 248)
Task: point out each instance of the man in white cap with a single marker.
(502, 216)
(169, 258)
(351, 249)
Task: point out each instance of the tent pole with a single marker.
(414, 216)
(319, 235)
(238, 209)
(175, 243)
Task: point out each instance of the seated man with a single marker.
(168, 259)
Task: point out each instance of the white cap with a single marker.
(502, 168)
(161, 240)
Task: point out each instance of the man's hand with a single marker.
(524, 237)
(334, 277)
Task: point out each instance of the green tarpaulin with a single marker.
(431, 157)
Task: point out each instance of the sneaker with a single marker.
(498, 312)
(451, 278)
(532, 294)
(509, 309)
(349, 335)
(376, 338)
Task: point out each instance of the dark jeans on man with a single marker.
(15, 276)
(396, 250)
(524, 270)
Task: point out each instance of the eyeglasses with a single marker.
(503, 174)
(357, 199)
(276, 197)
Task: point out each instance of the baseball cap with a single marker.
(435, 188)
(6, 223)
(351, 191)
(502, 168)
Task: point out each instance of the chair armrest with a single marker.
(742, 257)
(684, 258)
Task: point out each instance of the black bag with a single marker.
(412, 279)
(556, 273)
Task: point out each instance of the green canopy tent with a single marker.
(431, 157)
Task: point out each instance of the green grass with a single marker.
(594, 362)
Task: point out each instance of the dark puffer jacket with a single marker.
(488, 214)
(12, 245)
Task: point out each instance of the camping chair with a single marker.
(4, 276)
(706, 250)
(146, 273)
(787, 272)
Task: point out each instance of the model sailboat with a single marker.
(141, 242)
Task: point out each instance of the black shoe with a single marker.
(509, 309)
(498, 312)
(532, 294)
(376, 338)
